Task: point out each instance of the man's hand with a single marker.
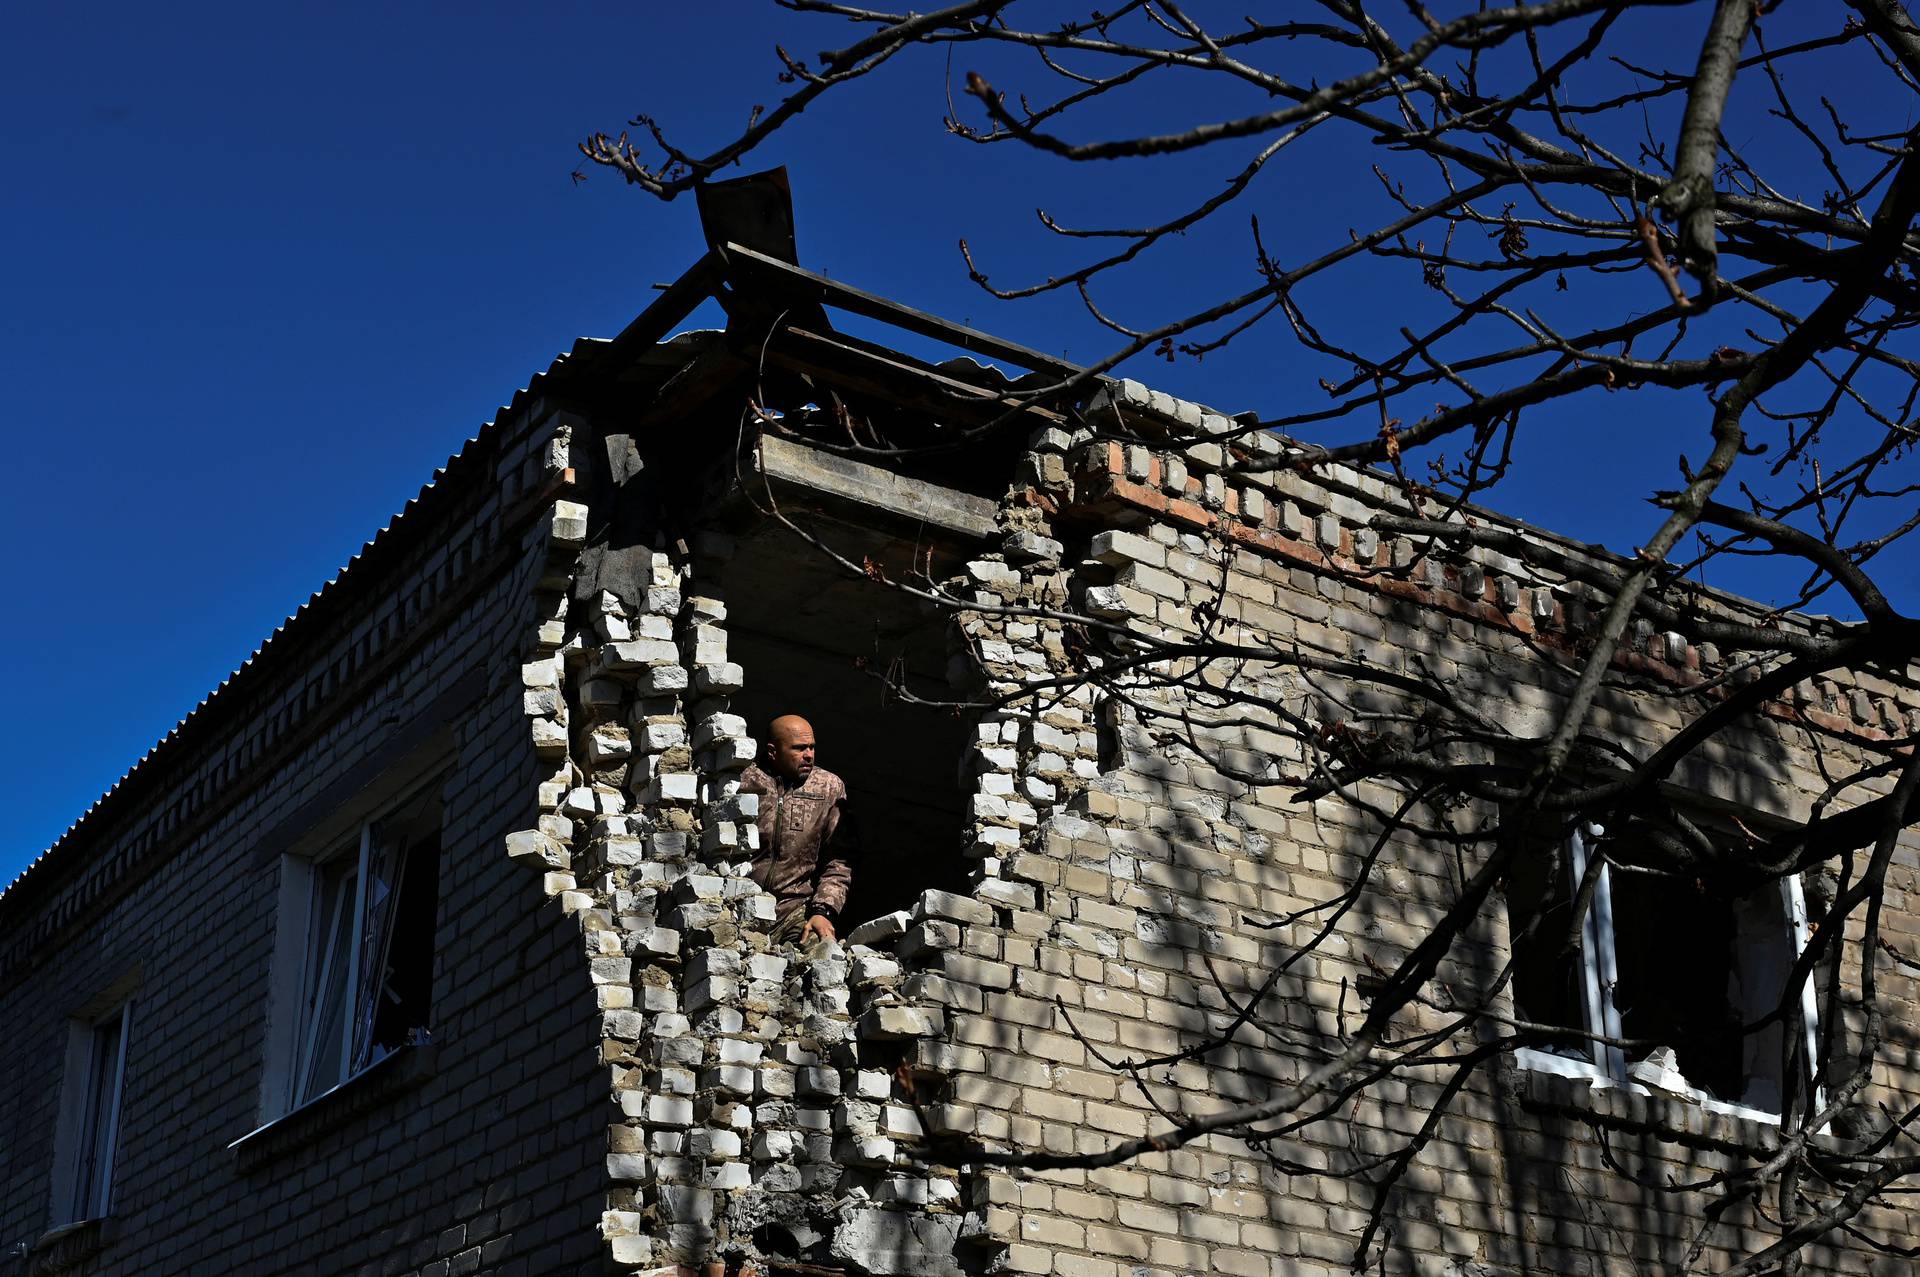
(818, 926)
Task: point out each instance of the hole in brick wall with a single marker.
(1107, 742)
(809, 638)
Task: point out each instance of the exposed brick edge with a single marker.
(1103, 479)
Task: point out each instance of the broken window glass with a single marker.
(1548, 948)
(1674, 953)
(1664, 965)
(405, 961)
(369, 969)
(323, 1048)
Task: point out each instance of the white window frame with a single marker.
(297, 992)
(86, 1156)
(1600, 975)
(313, 985)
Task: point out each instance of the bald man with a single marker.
(807, 844)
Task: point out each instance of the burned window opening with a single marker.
(1549, 953)
(1678, 955)
(1678, 970)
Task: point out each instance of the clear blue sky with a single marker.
(264, 270)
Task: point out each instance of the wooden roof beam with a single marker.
(743, 266)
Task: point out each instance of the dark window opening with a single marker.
(1695, 970)
(1548, 962)
(1664, 965)
(1675, 951)
(406, 991)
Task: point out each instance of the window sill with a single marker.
(66, 1248)
(1554, 1085)
(407, 1068)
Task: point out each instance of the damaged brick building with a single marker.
(426, 943)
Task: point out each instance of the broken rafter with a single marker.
(695, 384)
(675, 302)
(744, 267)
(861, 367)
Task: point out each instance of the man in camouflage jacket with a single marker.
(807, 844)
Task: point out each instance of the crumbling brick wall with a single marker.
(766, 1106)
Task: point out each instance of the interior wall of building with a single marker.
(901, 762)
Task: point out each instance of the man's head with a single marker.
(789, 747)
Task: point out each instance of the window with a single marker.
(97, 1070)
(363, 921)
(1658, 964)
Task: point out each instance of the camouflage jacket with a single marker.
(807, 843)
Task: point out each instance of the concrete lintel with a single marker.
(787, 462)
